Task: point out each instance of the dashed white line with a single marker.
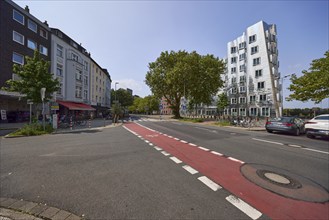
(236, 160)
(158, 148)
(165, 153)
(185, 142)
(147, 141)
(208, 182)
(194, 145)
(150, 144)
(293, 145)
(190, 169)
(272, 142)
(177, 139)
(170, 137)
(216, 153)
(244, 207)
(175, 159)
(203, 148)
(319, 151)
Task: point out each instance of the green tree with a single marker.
(123, 97)
(223, 102)
(34, 75)
(116, 111)
(177, 74)
(313, 84)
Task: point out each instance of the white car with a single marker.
(318, 126)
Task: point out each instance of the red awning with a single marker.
(76, 106)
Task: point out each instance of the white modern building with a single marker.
(252, 78)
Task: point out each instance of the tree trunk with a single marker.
(176, 111)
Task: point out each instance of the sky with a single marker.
(125, 36)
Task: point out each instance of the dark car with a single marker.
(292, 125)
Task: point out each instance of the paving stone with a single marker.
(18, 204)
(61, 215)
(2, 199)
(38, 209)
(11, 214)
(8, 202)
(50, 212)
(73, 217)
(28, 206)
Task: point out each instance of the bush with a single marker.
(33, 129)
(194, 120)
(222, 123)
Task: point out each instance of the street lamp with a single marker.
(282, 99)
(42, 93)
(115, 91)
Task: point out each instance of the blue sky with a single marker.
(124, 36)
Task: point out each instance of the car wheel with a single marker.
(269, 131)
(309, 135)
(297, 133)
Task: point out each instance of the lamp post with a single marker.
(42, 93)
(282, 79)
(115, 91)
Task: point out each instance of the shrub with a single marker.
(33, 129)
(222, 123)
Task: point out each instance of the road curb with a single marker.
(20, 209)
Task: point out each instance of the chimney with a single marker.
(46, 23)
(27, 9)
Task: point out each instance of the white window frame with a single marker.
(78, 75)
(233, 70)
(234, 112)
(33, 42)
(242, 89)
(31, 25)
(252, 39)
(233, 49)
(75, 57)
(78, 91)
(242, 100)
(242, 56)
(261, 85)
(233, 90)
(242, 113)
(59, 67)
(233, 59)
(256, 61)
(262, 96)
(265, 110)
(233, 101)
(258, 73)
(59, 51)
(15, 33)
(251, 111)
(85, 94)
(85, 65)
(20, 55)
(43, 33)
(43, 50)
(242, 68)
(21, 22)
(254, 50)
(252, 100)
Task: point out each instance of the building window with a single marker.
(17, 37)
(252, 38)
(233, 90)
(59, 70)
(18, 17)
(258, 73)
(233, 49)
(43, 50)
(32, 26)
(262, 97)
(233, 80)
(265, 111)
(233, 100)
(85, 80)
(59, 91)
(78, 75)
(96, 88)
(234, 112)
(254, 50)
(59, 51)
(242, 111)
(242, 89)
(78, 91)
(75, 57)
(242, 79)
(85, 94)
(242, 68)
(256, 61)
(242, 100)
(31, 44)
(233, 70)
(242, 56)
(233, 59)
(242, 45)
(253, 111)
(252, 99)
(43, 33)
(18, 58)
(85, 65)
(260, 85)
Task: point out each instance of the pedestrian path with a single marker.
(14, 209)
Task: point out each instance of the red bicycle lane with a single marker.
(226, 172)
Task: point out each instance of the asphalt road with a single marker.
(112, 174)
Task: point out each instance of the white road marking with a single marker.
(272, 142)
(165, 135)
(203, 148)
(244, 207)
(165, 153)
(158, 148)
(194, 145)
(292, 145)
(216, 153)
(208, 182)
(319, 151)
(190, 169)
(170, 137)
(150, 144)
(185, 142)
(236, 160)
(147, 141)
(177, 139)
(175, 159)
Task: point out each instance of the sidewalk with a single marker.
(13, 209)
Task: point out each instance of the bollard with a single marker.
(89, 123)
(71, 123)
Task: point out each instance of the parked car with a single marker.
(292, 125)
(318, 126)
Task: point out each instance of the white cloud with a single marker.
(139, 87)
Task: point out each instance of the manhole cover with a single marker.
(285, 183)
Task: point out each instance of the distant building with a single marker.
(130, 91)
(165, 107)
(21, 34)
(252, 78)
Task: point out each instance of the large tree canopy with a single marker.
(122, 96)
(313, 84)
(34, 75)
(177, 74)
